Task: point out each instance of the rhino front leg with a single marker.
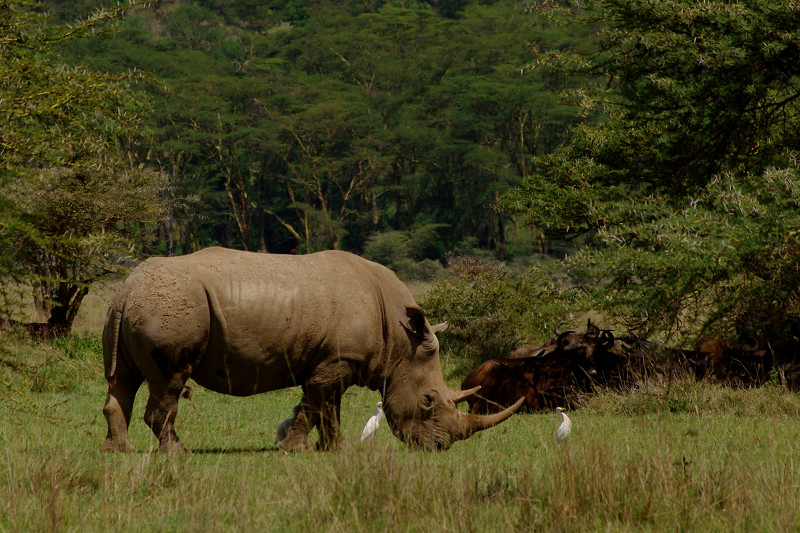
(320, 410)
(160, 413)
(328, 426)
(321, 405)
(297, 437)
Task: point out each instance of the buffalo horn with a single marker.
(607, 337)
(562, 337)
(753, 345)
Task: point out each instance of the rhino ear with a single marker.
(414, 321)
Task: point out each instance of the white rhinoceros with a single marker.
(243, 323)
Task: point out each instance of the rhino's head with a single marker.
(420, 408)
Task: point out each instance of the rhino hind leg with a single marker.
(160, 413)
(119, 406)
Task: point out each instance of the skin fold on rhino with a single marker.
(244, 323)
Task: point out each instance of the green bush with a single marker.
(412, 255)
(391, 249)
(425, 270)
(492, 310)
(77, 347)
(425, 242)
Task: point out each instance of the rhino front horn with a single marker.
(468, 424)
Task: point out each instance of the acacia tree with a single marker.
(73, 200)
(688, 180)
(347, 121)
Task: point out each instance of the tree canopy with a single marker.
(661, 136)
(688, 179)
(68, 193)
(303, 126)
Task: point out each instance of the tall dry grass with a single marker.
(622, 469)
(665, 456)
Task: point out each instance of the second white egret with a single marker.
(562, 432)
(372, 424)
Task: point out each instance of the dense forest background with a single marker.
(648, 148)
(302, 126)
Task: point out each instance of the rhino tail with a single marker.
(111, 343)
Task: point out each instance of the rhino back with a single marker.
(248, 323)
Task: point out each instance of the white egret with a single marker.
(372, 424)
(283, 427)
(562, 432)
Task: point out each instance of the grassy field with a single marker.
(677, 456)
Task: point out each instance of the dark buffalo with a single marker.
(742, 362)
(573, 362)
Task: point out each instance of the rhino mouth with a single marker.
(447, 424)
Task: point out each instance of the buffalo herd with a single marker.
(574, 362)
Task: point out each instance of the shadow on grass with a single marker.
(233, 451)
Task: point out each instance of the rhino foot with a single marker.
(332, 446)
(173, 446)
(111, 445)
(289, 445)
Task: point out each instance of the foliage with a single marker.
(71, 200)
(491, 310)
(688, 181)
(391, 249)
(296, 133)
(727, 257)
(426, 270)
(72, 227)
(409, 253)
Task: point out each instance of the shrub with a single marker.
(425, 243)
(391, 249)
(425, 270)
(492, 310)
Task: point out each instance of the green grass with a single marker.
(677, 456)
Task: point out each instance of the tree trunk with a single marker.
(262, 227)
(501, 234)
(168, 231)
(62, 314)
(398, 197)
(67, 304)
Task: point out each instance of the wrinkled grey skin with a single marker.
(244, 323)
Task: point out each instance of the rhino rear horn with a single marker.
(440, 327)
(457, 396)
